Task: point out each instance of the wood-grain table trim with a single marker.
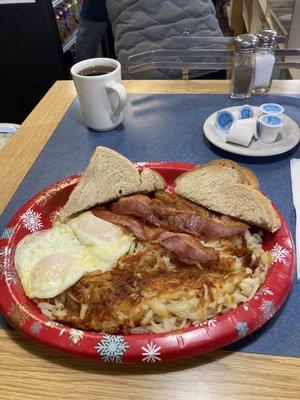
(30, 371)
(17, 157)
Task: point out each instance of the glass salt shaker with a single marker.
(243, 66)
(264, 60)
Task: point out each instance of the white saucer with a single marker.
(6, 130)
(288, 139)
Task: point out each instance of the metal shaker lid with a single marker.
(267, 38)
(246, 43)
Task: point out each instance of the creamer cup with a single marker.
(269, 127)
(239, 134)
(271, 108)
(224, 120)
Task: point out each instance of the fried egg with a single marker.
(107, 242)
(51, 261)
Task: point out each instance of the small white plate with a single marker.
(288, 139)
(6, 130)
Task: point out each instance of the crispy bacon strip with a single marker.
(180, 244)
(180, 203)
(138, 206)
(199, 221)
(176, 214)
(185, 246)
(199, 225)
(133, 225)
(171, 199)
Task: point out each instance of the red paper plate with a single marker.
(39, 212)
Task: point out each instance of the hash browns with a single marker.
(150, 290)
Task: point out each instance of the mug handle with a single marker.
(119, 89)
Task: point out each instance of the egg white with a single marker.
(108, 242)
(51, 261)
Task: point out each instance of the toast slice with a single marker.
(243, 175)
(225, 187)
(250, 179)
(108, 177)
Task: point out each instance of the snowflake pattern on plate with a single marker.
(36, 328)
(3, 254)
(209, 322)
(32, 220)
(53, 323)
(11, 277)
(7, 233)
(151, 352)
(176, 336)
(242, 329)
(173, 336)
(42, 199)
(54, 215)
(279, 253)
(267, 307)
(9, 273)
(266, 291)
(2, 257)
(18, 314)
(112, 348)
(76, 335)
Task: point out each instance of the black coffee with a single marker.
(98, 70)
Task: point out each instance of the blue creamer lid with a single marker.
(246, 111)
(271, 108)
(271, 120)
(224, 120)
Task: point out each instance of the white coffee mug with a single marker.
(102, 98)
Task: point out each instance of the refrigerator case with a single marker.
(31, 55)
(67, 13)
